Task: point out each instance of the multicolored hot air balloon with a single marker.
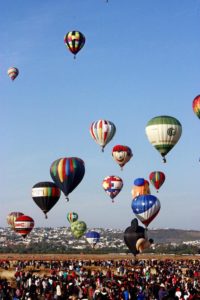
(157, 178)
(146, 208)
(112, 185)
(72, 217)
(102, 132)
(46, 195)
(163, 132)
(121, 154)
(92, 238)
(24, 225)
(13, 73)
(74, 40)
(196, 106)
(67, 173)
(141, 187)
(78, 228)
(12, 217)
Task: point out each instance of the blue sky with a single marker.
(140, 60)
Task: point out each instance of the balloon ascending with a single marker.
(141, 187)
(102, 132)
(135, 238)
(45, 195)
(78, 228)
(121, 154)
(67, 173)
(92, 238)
(74, 40)
(72, 217)
(146, 208)
(157, 178)
(163, 133)
(12, 217)
(112, 185)
(24, 225)
(196, 106)
(13, 73)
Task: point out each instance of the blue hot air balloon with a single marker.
(146, 208)
(92, 238)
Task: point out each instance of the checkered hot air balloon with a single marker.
(74, 40)
(146, 208)
(102, 131)
(112, 185)
(163, 132)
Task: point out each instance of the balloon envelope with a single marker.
(146, 208)
(74, 40)
(45, 195)
(12, 217)
(92, 238)
(157, 179)
(67, 173)
(196, 106)
(141, 187)
(163, 132)
(102, 132)
(78, 228)
(24, 225)
(72, 217)
(13, 73)
(121, 154)
(112, 185)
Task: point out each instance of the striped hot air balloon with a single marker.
(24, 225)
(74, 40)
(146, 208)
(112, 185)
(12, 217)
(102, 132)
(67, 173)
(163, 132)
(13, 73)
(72, 217)
(196, 106)
(157, 178)
(45, 195)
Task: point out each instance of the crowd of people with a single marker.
(107, 279)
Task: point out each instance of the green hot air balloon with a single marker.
(163, 132)
(78, 228)
(72, 217)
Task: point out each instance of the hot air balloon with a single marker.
(163, 132)
(102, 132)
(13, 73)
(45, 195)
(78, 228)
(24, 225)
(74, 40)
(141, 187)
(92, 238)
(146, 208)
(135, 238)
(157, 178)
(196, 106)
(121, 154)
(112, 185)
(72, 217)
(12, 217)
(67, 173)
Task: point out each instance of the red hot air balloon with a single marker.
(24, 225)
(196, 106)
(121, 154)
(157, 178)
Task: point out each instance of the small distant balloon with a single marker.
(74, 40)
(92, 238)
(112, 185)
(72, 217)
(196, 106)
(157, 179)
(12, 217)
(102, 131)
(121, 154)
(13, 73)
(78, 228)
(24, 225)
